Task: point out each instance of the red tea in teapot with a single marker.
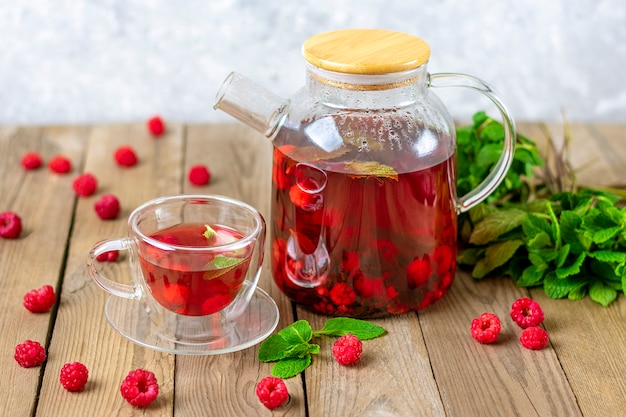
(361, 239)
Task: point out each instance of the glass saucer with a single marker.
(129, 318)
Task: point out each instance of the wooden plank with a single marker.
(45, 202)
(595, 163)
(501, 379)
(81, 331)
(610, 139)
(393, 377)
(240, 161)
(589, 340)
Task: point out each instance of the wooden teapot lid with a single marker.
(365, 51)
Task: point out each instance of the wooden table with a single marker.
(427, 364)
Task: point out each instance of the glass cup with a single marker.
(195, 263)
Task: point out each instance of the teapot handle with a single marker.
(495, 177)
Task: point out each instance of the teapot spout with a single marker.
(251, 104)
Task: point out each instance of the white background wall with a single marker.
(81, 61)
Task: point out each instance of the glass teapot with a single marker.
(364, 207)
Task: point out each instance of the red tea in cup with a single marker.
(194, 283)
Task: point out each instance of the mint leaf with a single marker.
(570, 223)
(340, 326)
(496, 224)
(560, 287)
(563, 254)
(573, 268)
(481, 211)
(221, 261)
(274, 348)
(297, 332)
(535, 224)
(496, 255)
(538, 241)
(578, 293)
(288, 368)
(603, 235)
(290, 342)
(209, 233)
(470, 256)
(602, 294)
(608, 256)
(531, 277)
(370, 168)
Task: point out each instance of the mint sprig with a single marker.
(292, 351)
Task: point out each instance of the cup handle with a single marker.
(495, 177)
(110, 286)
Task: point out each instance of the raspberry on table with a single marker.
(526, 313)
(486, 328)
(140, 387)
(10, 225)
(73, 376)
(29, 354)
(125, 156)
(60, 164)
(40, 300)
(347, 349)
(108, 207)
(535, 338)
(272, 392)
(85, 185)
(155, 125)
(31, 160)
(199, 175)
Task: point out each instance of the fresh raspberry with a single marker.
(486, 328)
(73, 376)
(199, 175)
(110, 256)
(342, 294)
(140, 388)
(300, 196)
(60, 164)
(347, 349)
(85, 185)
(125, 156)
(41, 300)
(10, 225)
(534, 338)
(418, 272)
(176, 295)
(29, 354)
(526, 313)
(155, 125)
(31, 160)
(272, 392)
(108, 207)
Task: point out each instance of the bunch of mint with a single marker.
(291, 349)
(570, 242)
(571, 245)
